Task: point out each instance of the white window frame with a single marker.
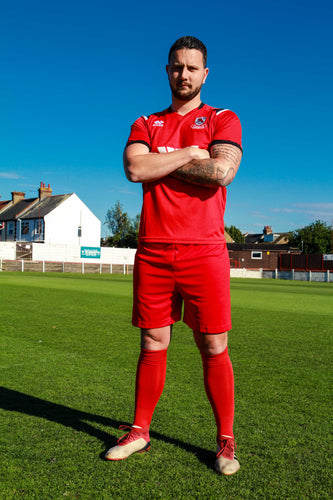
(258, 256)
(39, 227)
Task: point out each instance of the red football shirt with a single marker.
(173, 210)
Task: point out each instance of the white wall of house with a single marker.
(63, 224)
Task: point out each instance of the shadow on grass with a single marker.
(11, 400)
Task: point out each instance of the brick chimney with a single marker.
(44, 191)
(17, 196)
(268, 230)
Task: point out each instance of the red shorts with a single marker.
(168, 275)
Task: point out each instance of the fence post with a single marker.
(43, 266)
(293, 274)
(124, 269)
(111, 268)
(63, 266)
(328, 276)
(82, 267)
(310, 276)
(276, 274)
(22, 265)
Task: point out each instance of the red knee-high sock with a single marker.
(150, 378)
(219, 385)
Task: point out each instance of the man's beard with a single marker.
(177, 93)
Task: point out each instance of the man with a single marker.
(184, 156)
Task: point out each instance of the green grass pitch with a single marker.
(68, 362)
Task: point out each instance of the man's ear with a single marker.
(206, 74)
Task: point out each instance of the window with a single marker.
(10, 228)
(39, 227)
(79, 231)
(25, 228)
(256, 255)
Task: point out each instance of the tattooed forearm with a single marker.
(219, 170)
(203, 172)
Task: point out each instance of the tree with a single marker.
(235, 234)
(124, 230)
(314, 238)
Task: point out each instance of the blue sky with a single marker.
(76, 74)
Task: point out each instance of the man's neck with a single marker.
(184, 107)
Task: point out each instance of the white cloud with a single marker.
(8, 175)
(318, 210)
(260, 215)
(285, 210)
(328, 206)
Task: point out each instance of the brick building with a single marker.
(260, 251)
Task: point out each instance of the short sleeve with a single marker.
(139, 132)
(227, 129)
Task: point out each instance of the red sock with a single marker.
(150, 378)
(219, 385)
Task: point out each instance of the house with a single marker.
(51, 219)
(267, 236)
(260, 250)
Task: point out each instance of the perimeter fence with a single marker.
(64, 267)
(306, 262)
(106, 268)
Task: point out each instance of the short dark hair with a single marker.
(189, 42)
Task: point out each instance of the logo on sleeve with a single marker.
(199, 122)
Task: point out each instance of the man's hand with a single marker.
(199, 154)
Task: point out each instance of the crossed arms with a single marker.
(193, 165)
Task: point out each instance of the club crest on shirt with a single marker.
(158, 123)
(199, 122)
